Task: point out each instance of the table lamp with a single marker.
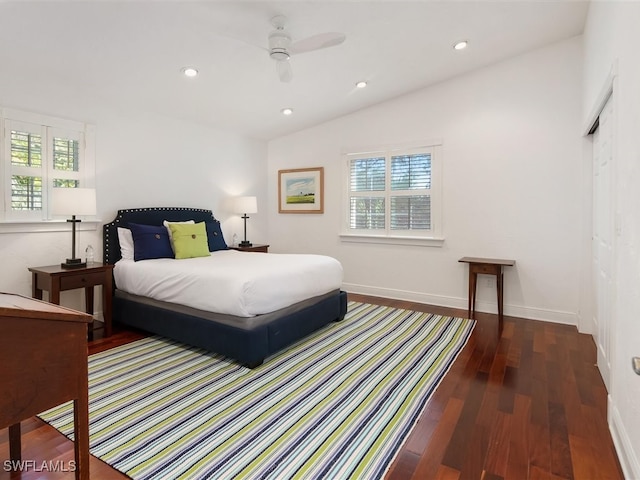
(245, 205)
(73, 201)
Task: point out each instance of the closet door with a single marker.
(603, 238)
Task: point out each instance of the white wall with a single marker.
(142, 160)
(611, 40)
(512, 155)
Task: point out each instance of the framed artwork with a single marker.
(301, 190)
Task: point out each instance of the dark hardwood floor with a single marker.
(528, 405)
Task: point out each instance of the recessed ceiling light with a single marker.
(287, 111)
(461, 45)
(189, 71)
(361, 84)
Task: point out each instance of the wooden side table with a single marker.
(56, 279)
(253, 248)
(43, 353)
(486, 266)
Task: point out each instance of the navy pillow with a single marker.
(150, 241)
(215, 237)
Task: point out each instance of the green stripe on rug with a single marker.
(337, 405)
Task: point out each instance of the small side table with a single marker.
(486, 266)
(253, 248)
(56, 279)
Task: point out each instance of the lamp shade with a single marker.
(73, 201)
(245, 205)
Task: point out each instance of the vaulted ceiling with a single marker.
(133, 52)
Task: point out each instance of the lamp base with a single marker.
(245, 243)
(73, 263)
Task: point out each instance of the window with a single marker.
(393, 194)
(39, 153)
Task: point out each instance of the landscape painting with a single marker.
(301, 190)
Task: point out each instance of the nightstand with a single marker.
(253, 248)
(56, 279)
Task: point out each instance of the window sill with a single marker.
(391, 240)
(47, 226)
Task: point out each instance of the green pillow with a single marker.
(190, 240)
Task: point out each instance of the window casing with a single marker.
(393, 193)
(39, 153)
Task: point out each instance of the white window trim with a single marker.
(393, 240)
(435, 237)
(28, 222)
(43, 226)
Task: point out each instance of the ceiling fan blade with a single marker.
(317, 42)
(283, 67)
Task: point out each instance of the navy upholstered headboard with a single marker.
(147, 216)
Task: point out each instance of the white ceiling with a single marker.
(132, 52)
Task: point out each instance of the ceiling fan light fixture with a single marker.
(287, 111)
(461, 45)
(189, 71)
(281, 48)
(361, 84)
(279, 42)
(279, 55)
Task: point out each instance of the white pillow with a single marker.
(166, 225)
(126, 243)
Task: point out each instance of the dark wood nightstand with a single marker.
(56, 279)
(253, 248)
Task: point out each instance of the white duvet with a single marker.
(232, 282)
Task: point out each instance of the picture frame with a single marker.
(301, 190)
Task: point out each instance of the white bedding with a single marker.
(232, 282)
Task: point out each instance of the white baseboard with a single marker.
(587, 325)
(532, 313)
(624, 448)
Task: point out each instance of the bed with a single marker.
(238, 332)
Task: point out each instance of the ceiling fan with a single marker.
(281, 48)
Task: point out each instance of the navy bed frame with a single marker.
(248, 346)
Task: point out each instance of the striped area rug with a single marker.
(336, 405)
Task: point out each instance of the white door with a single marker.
(603, 238)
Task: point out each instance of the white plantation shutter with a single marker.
(392, 193)
(410, 212)
(26, 173)
(66, 155)
(411, 172)
(410, 205)
(367, 213)
(367, 177)
(39, 153)
(368, 174)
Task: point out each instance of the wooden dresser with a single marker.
(43, 358)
